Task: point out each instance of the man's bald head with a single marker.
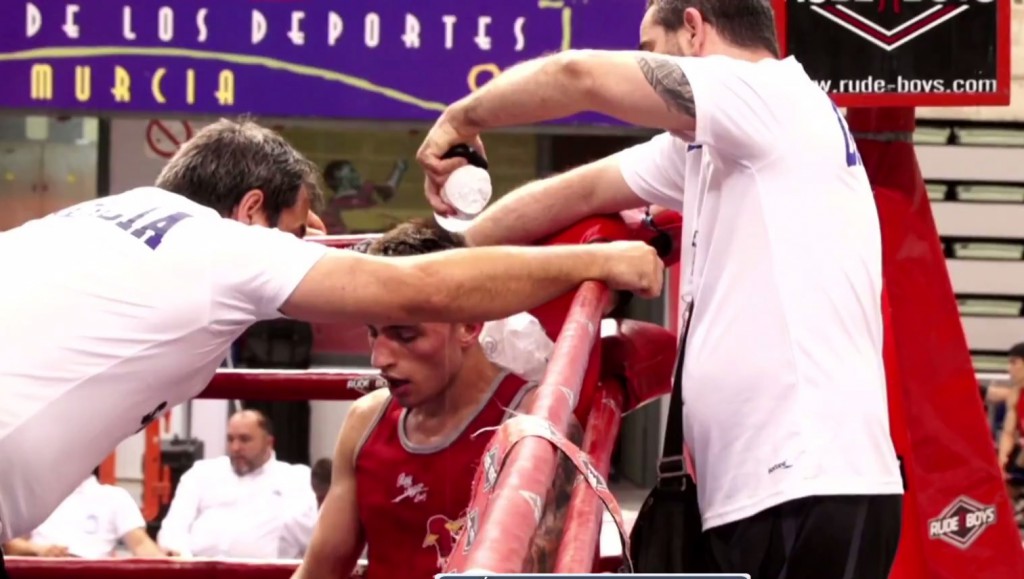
(250, 441)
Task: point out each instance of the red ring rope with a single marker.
(507, 522)
(583, 523)
(291, 384)
(52, 568)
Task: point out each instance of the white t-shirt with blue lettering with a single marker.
(111, 312)
(783, 380)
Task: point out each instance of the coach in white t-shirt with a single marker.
(90, 523)
(116, 309)
(783, 380)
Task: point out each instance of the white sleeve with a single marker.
(656, 170)
(258, 268)
(734, 113)
(175, 529)
(127, 514)
(300, 516)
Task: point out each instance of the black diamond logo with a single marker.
(962, 522)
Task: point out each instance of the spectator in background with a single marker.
(89, 523)
(320, 479)
(244, 505)
(1010, 457)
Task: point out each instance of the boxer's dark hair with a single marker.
(415, 237)
(1017, 351)
(743, 23)
(227, 159)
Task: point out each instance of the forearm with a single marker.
(140, 545)
(635, 87)
(534, 91)
(464, 285)
(547, 206)
(492, 283)
(529, 213)
(148, 550)
(21, 547)
(1007, 440)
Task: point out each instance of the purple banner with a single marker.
(389, 60)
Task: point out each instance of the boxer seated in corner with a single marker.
(407, 454)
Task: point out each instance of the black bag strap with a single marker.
(672, 467)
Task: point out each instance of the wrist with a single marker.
(463, 117)
(594, 261)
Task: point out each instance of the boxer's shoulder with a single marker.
(369, 405)
(362, 417)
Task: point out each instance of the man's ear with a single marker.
(469, 333)
(696, 29)
(250, 209)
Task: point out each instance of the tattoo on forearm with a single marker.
(548, 539)
(670, 82)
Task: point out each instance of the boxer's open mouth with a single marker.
(396, 384)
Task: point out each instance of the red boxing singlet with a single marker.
(412, 499)
(1020, 415)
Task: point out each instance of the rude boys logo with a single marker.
(962, 522)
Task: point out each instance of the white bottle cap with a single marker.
(468, 191)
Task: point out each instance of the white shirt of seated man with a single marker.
(247, 505)
(91, 520)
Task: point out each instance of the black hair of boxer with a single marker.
(415, 237)
(1017, 351)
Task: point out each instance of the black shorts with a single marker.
(822, 537)
(3, 570)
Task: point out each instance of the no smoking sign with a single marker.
(165, 137)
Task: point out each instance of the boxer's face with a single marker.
(420, 361)
(292, 220)
(1016, 369)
